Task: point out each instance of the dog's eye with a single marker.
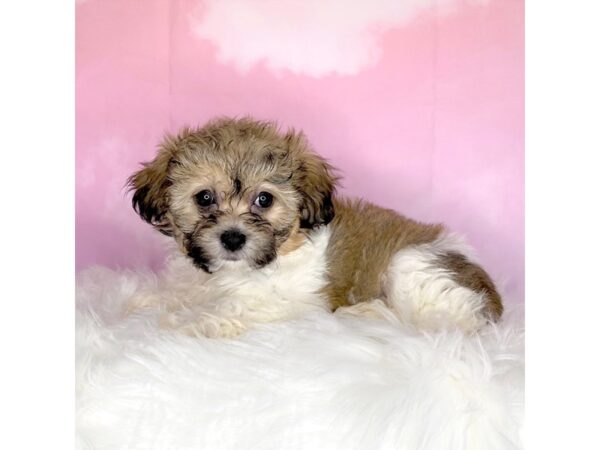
(264, 200)
(205, 198)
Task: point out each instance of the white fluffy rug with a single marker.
(321, 382)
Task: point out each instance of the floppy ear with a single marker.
(149, 187)
(314, 179)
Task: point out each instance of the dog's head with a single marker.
(235, 190)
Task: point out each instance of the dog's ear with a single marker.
(313, 177)
(149, 186)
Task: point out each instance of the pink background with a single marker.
(433, 127)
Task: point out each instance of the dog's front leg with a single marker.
(228, 316)
(216, 317)
(203, 323)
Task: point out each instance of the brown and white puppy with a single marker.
(255, 211)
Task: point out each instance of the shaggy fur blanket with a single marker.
(324, 381)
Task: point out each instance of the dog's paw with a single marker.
(373, 309)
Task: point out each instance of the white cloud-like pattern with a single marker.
(308, 37)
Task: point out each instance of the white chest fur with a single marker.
(229, 300)
(291, 282)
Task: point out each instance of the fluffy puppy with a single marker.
(255, 211)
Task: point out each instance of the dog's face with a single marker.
(235, 190)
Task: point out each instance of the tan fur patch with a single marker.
(363, 240)
(294, 241)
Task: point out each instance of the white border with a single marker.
(562, 225)
(563, 229)
(37, 203)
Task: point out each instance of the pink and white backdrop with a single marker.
(420, 103)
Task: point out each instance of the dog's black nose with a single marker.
(233, 240)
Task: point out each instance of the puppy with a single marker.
(255, 211)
